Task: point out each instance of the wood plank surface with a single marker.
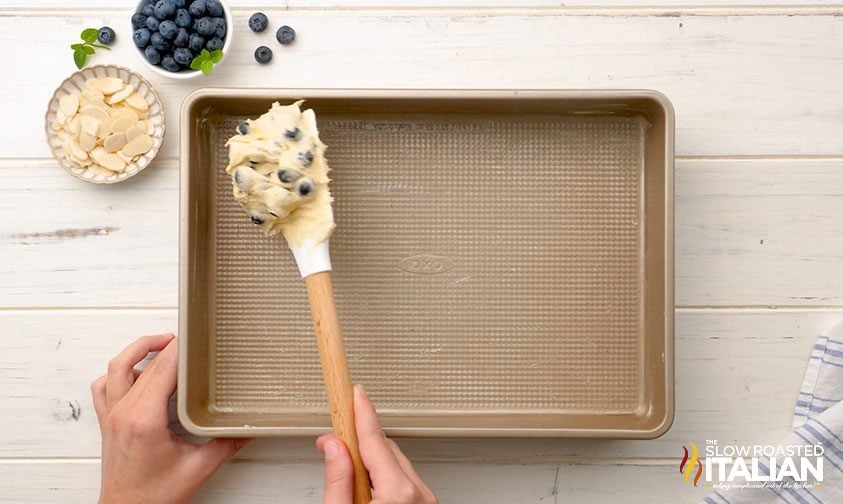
(759, 232)
(738, 374)
(630, 482)
(759, 246)
(738, 86)
(446, 4)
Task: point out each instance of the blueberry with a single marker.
(243, 128)
(197, 8)
(180, 3)
(285, 35)
(206, 26)
(263, 55)
(214, 8)
(165, 9)
(305, 188)
(183, 56)
(169, 64)
(292, 134)
(168, 29)
(159, 42)
(152, 55)
(220, 27)
(182, 38)
(152, 23)
(258, 22)
(257, 219)
(196, 42)
(139, 20)
(148, 10)
(141, 37)
(287, 176)
(183, 18)
(214, 44)
(305, 158)
(106, 35)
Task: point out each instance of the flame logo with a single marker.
(686, 467)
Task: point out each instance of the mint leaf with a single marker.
(205, 54)
(89, 35)
(216, 55)
(79, 57)
(207, 67)
(196, 64)
(76, 46)
(88, 49)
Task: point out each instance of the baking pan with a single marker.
(503, 266)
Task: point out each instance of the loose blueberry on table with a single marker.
(171, 33)
(106, 35)
(285, 35)
(258, 22)
(263, 55)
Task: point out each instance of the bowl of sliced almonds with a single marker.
(105, 124)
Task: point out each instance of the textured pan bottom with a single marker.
(489, 263)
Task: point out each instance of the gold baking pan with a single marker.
(503, 266)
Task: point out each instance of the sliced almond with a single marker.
(139, 145)
(87, 142)
(89, 124)
(121, 95)
(121, 123)
(107, 159)
(75, 149)
(133, 132)
(150, 129)
(72, 125)
(94, 111)
(81, 163)
(128, 159)
(108, 85)
(56, 125)
(69, 104)
(91, 85)
(105, 129)
(121, 111)
(136, 101)
(96, 104)
(115, 142)
(61, 117)
(99, 170)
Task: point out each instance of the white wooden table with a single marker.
(759, 210)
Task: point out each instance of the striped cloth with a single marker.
(817, 420)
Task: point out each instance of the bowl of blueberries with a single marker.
(170, 34)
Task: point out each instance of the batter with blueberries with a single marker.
(280, 175)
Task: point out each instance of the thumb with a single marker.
(207, 458)
(339, 473)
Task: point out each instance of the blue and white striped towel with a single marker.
(817, 420)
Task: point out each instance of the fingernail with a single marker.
(331, 450)
(358, 389)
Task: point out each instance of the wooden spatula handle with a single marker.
(338, 385)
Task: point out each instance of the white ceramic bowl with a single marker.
(76, 82)
(187, 74)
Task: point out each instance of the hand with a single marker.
(142, 461)
(393, 478)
